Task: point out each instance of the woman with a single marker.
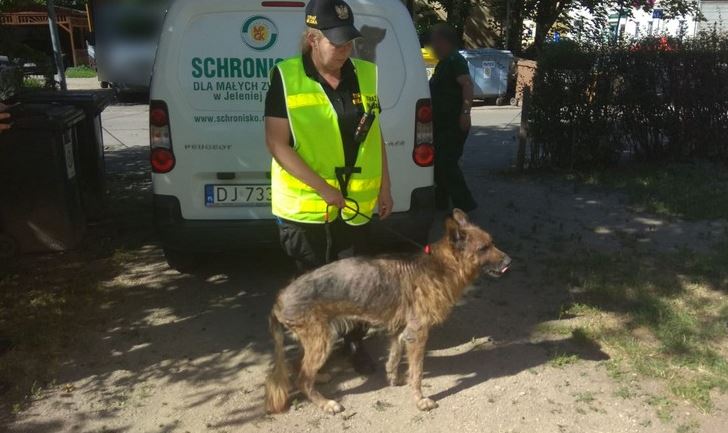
(327, 179)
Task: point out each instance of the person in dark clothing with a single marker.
(452, 99)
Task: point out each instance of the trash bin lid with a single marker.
(490, 52)
(46, 116)
(94, 101)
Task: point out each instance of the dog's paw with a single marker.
(396, 380)
(426, 404)
(332, 408)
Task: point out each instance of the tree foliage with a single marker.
(9, 5)
(510, 15)
(546, 13)
(457, 11)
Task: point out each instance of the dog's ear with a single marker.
(460, 217)
(455, 233)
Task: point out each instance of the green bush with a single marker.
(81, 72)
(654, 99)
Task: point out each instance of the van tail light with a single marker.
(424, 151)
(424, 155)
(160, 138)
(162, 160)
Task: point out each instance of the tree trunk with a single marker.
(540, 36)
(546, 15)
(514, 19)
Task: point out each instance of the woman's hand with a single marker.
(333, 197)
(386, 203)
(4, 126)
(465, 122)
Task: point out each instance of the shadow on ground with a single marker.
(126, 331)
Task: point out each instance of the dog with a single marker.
(406, 295)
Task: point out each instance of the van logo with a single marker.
(259, 33)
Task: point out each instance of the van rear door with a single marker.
(220, 59)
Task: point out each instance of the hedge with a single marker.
(655, 99)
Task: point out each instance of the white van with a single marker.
(211, 168)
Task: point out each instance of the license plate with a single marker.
(237, 195)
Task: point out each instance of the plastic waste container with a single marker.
(91, 169)
(490, 70)
(40, 199)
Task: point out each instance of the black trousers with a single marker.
(307, 244)
(450, 186)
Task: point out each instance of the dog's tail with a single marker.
(277, 383)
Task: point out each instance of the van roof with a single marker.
(370, 7)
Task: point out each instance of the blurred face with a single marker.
(440, 46)
(331, 57)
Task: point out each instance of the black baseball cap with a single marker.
(334, 18)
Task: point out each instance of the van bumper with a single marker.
(210, 236)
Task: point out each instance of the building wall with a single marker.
(642, 24)
(645, 24)
(716, 15)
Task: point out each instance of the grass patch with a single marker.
(663, 407)
(561, 360)
(82, 71)
(32, 83)
(582, 338)
(584, 397)
(689, 427)
(691, 190)
(663, 316)
(625, 392)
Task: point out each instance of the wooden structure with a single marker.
(75, 24)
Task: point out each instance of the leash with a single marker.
(344, 175)
(329, 238)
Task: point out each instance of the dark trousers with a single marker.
(450, 183)
(307, 244)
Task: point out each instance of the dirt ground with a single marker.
(179, 353)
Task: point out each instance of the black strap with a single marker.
(343, 175)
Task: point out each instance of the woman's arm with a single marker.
(277, 138)
(466, 84)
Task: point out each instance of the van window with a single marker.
(388, 56)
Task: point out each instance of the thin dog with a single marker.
(406, 295)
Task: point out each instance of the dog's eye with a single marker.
(484, 248)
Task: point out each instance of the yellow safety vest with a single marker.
(317, 140)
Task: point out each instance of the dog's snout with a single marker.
(505, 264)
